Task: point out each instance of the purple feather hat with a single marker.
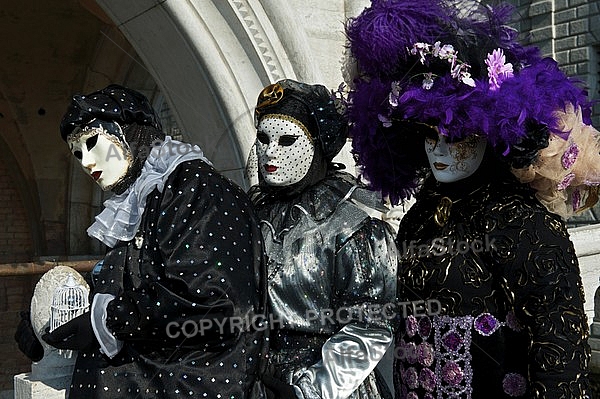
(455, 65)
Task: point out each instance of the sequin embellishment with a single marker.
(514, 384)
(570, 156)
(486, 324)
(453, 355)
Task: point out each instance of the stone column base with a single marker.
(595, 361)
(48, 388)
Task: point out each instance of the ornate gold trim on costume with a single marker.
(442, 211)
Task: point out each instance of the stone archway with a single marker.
(210, 58)
(207, 60)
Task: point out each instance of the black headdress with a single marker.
(131, 110)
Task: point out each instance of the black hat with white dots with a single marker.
(138, 124)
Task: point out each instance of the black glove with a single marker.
(123, 317)
(272, 378)
(76, 334)
(25, 337)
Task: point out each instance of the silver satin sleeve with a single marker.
(344, 264)
(348, 358)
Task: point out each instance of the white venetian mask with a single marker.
(102, 155)
(454, 161)
(284, 150)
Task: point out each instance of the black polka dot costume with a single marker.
(198, 261)
(185, 288)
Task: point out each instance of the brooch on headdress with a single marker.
(270, 95)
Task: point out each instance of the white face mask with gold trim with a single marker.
(285, 153)
(102, 156)
(454, 161)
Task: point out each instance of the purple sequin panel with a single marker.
(427, 379)
(452, 341)
(425, 354)
(411, 378)
(409, 352)
(411, 326)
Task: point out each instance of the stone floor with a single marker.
(595, 383)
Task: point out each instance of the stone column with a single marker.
(594, 340)
(51, 376)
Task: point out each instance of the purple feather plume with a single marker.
(534, 95)
(380, 36)
(388, 136)
(381, 151)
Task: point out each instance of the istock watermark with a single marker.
(442, 246)
(168, 148)
(340, 316)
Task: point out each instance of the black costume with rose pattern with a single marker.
(511, 322)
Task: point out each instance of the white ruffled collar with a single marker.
(121, 218)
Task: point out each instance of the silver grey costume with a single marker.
(332, 271)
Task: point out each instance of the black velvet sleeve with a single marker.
(200, 267)
(542, 275)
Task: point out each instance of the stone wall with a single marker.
(15, 291)
(15, 237)
(15, 295)
(569, 31)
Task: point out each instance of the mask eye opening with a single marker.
(287, 140)
(263, 138)
(91, 142)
